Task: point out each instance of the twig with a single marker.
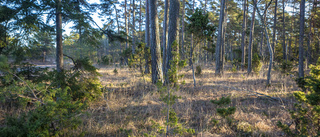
(35, 96)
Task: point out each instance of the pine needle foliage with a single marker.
(306, 113)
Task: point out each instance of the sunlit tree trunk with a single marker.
(243, 39)
(219, 39)
(251, 41)
(126, 21)
(268, 41)
(274, 26)
(302, 10)
(156, 64)
(191, 53)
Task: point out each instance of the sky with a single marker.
(95, 16)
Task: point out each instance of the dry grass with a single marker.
(130, 102)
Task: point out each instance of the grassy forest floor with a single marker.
(131, 105)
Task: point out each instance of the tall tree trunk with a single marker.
(290, 40)
(182, 30)
(191, 52)
(59, 48)
(147, 36)
(133, 27)
(219, 39)
(140, 21)
(268, 42)
(173, 36)
(274, 26)
(284, 49)
(126, 22)
(251, 41)
(223, 47)
(243, 39)
(302, 10)
(206, 43)
(165, 39)
(156, 64)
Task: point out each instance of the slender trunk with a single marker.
(251, 42)
(182, 29)
(126, 22)
(244, 27)
(290, 40)
(206, 43)
(223, 39)
(219, 39)
(274, 26)
(59, 48)
(156, 64)
(284, 33)
(165, 39)
(191, 53)
(268, 43)
(133, 27)
(261, 44)
(140, 20)
(192, 42)
(147, 36)
(302, 10)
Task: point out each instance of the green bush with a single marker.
(53, 116)
(256, 63)
(105, 60)
(286, 67)
(57, 99)
(225, 110)
(306, 114)
(198, 71)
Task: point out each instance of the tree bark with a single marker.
(243, 39)
(267, 38)
(147, 36)
(156, 64)
(59, 48)
(182, 30)
(274, 26)
(191, 53)
(251, 42)
(302, 10)
(219, 39)
(284, 49)
(126, 22)
(173, 35)
(140, 21)
(223, 47)
(165, 39)
(133, 27)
